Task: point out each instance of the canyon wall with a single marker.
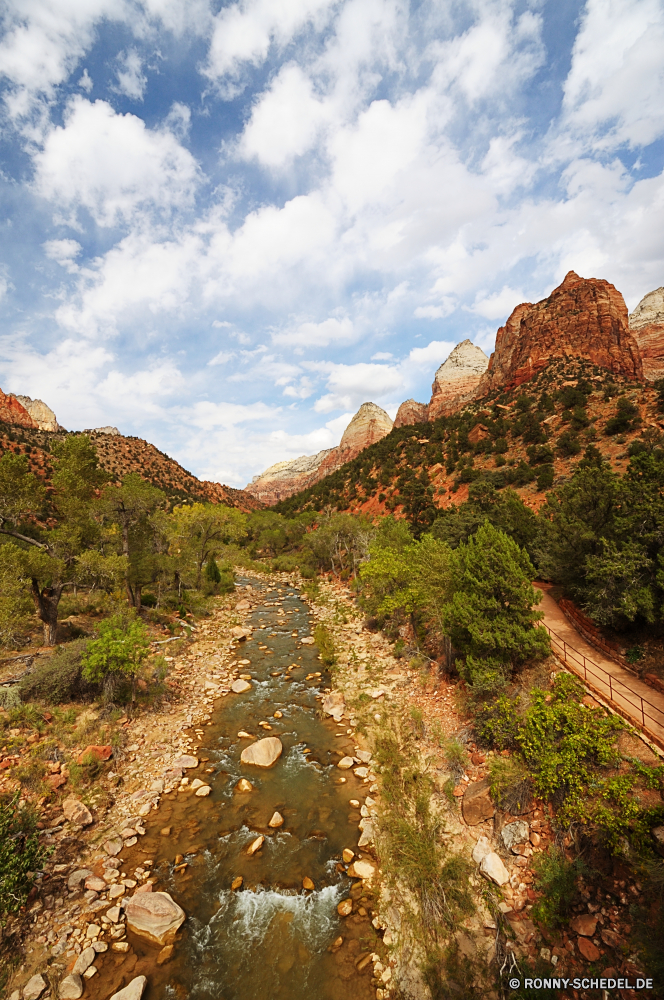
(281, 480)
(456, 381)
(13, 412)
(582, 317)
(646, 324)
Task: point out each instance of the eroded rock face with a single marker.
(646, 324)
(155, 916)
(411, 412)
(13, 412)
(582, 318)
(281, 480)
(42, 414)
(457, 379)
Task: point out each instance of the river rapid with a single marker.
(270, 939)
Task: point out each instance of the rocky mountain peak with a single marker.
(370, 424)
(647, 326)
(13, 412)
(582, 317)
(457, 379)
(465, 359)
(42, 414)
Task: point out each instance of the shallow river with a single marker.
(269, 939)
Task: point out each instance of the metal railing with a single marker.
(617, 689)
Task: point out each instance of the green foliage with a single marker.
(59, 678)
(511, 784)
(556, 878)
(16, 607)
(568, 444)
(121, 646)
(21, 855)
(624, 419)
(491, 615)
(9, 697)
(325, 643)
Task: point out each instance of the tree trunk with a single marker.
(46, 605)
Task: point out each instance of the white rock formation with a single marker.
(263, 753)
(649, 310)
(42, 414)
(457, 379)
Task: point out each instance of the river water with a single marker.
(269, 940)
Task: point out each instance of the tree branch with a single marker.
(24, 538)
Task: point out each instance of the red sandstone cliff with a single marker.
(370, 424)
(12, 412)
(646, 324)
(582, 317)
(411, 412)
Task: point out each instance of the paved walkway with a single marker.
(642, 704)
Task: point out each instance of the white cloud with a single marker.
(614, 92)
(435, 312)
(64, 252)
(222, 358)
(85, 81)
(351, 385)
(498, 305)
(131, 79)
(429, 357)
(330, 331)
(382, 356)
(284, 121)
(112, 165)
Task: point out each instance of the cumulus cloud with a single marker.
(112, 165)
(332, 330)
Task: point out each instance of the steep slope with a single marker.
(42, 414)
(13, 412)
(370, 424)
(582, 317)
(119, 455)
(646, 324)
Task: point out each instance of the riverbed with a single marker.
(270, 938)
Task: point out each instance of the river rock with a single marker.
(203, 791)
(196, 783)
(165, 954)
(116, 891)
(113, 914)
(308, 884)
(362, 869)
(361, 772)
(334, 704)
(239, 686)
(185, 761)
(363, 755)
(481, 849)
(345, 907)
(76, 812)
(113, 846)
(276, 821)
(255, 845)
(263, 753)
(71, 987)
(94, 883)
(308, 641)
(34, 987)
(345, 763)
(84, 960)
(244, 735)
(237, 882)
(585, 924)
(75, 879)
(476, 804)
(155, 916)
(134, 991)
(244, 786)
(492, 866)
(347, 855)
(515, 833)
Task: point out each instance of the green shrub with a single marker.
(148, 601)
(21, 855)
(556, 878)
(325, 644)
(121, 646)
(568, 444)
(545, 478)
(9, 697)
(59, 678)
(511, 784)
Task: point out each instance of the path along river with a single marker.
(270, 939)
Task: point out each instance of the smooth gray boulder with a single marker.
(493, 867)
(263, 753)
(515, 833)
(155, 916)
(84, 960)
(71, 987)
(34, 987)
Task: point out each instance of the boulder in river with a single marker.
(308, 884)
(155, 916)
(134, 991)
(263, 753)
(185, 761)
(345, 763)
(244, 786)
(345, 907)
(347, 855)
(239, 686)
(255, 845)
(362, 869)
(277, 820)
(334, 704)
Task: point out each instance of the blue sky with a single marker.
(226, 225)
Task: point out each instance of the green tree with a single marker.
(21, 855)
(491, 617)
(121, 646)
(198, 532)
(131, 506)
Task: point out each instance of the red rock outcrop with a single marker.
(12, 412)
(582, 317)
(457, 379)
(411, 412)
(281, 480)
(647, 326)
